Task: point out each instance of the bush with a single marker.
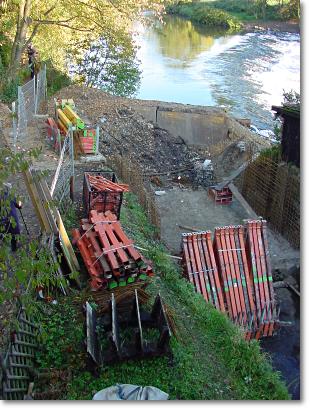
(203, 14)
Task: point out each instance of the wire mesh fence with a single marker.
(40, 95)
(132, 174)
(63, 177)
(273, 191)
(29, 102)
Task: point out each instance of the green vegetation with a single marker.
(210, 358)
(64, 33)
(240, 11)
(111, 67)
(274, 153)
(202, 13)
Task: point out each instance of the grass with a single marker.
(210, 358)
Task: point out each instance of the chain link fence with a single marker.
(29, 102)
(64, 175)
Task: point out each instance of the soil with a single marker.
(291, 26)
(124, 131)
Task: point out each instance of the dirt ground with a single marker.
(195, 209)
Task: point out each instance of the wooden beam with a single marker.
(251, 213)
(36, 202)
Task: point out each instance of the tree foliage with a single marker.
(110, 67)
(54, 26)
(31, 265)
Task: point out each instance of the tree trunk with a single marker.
(20, 37)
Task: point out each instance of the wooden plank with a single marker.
(139, 334)
(36, 202)
(237, 195)
(64, 239)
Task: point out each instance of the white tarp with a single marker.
(130, 392)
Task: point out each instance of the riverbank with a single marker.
(202, 13)
(235, 17)
(291, 26)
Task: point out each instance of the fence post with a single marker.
(14, 125)
(45, 83)
(97, 140)
(72, 149)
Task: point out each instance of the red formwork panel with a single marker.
(108, 254)
(258, 255)
(200, 267)
(234, 274)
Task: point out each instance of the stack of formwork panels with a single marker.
(237, 266)
(109, 255)
(231, 257)
(267, 314)
(200, 267)
(102, 192)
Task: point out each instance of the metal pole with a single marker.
(35, 94)
(23, 221)
(97, 140)
(14, 125)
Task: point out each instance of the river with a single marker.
(243, 73)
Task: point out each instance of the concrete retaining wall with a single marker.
(197, 125)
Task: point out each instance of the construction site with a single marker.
(162, 220)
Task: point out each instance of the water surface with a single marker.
(245, 73)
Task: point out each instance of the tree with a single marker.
(111, 67)
(64, 22)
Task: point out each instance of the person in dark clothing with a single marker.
(32, 59)
(9, 218)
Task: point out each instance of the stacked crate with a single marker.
(108, 254)
(102, 192)
(87, 140)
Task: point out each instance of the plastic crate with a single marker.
(101, 201)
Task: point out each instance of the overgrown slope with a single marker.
(210, 358)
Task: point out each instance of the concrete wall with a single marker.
(202, 129)
(198, 125)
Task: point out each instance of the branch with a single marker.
(36, 27)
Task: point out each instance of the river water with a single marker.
(245, 73)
